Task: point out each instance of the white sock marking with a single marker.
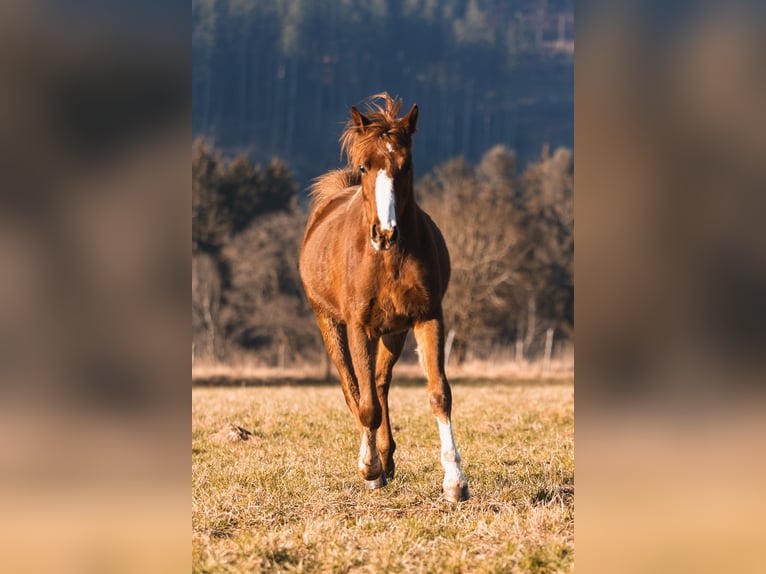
(368, 451)
(453, 473)
(385, 200)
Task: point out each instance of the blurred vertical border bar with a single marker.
(95, 110)
(670, 133)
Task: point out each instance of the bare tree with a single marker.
(266, 311)
(206, 308)
(511, 243)
(547, 222)
(473, 210)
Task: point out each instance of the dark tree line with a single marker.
(509, 231)
(278, 76)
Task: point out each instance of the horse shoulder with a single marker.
(324, 261)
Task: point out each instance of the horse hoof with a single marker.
(379, 482)
(456, 493)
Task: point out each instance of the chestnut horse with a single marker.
(374, 265)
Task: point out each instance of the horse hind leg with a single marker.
(430, 338)
(389, 349)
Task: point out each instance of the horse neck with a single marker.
(409, 214)
(410, 220)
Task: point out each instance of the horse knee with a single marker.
(441, 401)
(370, 415)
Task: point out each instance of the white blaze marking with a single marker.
(388, 147)
(453, 473)
(384, 198)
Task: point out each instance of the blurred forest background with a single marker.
(272, 84)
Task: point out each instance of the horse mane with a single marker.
(337, 185)
(358, 142)
(333, 183)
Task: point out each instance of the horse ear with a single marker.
(411, 119)
(360, 120)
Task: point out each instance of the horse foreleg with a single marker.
(363, 354)
(389, 349)
(336, 342)
(430, 339)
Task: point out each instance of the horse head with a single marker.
(379, 145)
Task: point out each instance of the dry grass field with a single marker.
(288, 498)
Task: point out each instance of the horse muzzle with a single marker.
(383, 239)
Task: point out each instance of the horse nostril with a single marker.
(395, 235)
(375, 235)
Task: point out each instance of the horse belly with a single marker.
(386, 323)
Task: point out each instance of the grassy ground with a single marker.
(289, 498)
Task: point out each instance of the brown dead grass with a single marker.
(289, 498)
(561, 368)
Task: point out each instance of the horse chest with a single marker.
(396, 305)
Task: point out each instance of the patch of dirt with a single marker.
(233, 433)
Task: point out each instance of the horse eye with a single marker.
(362, 169)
